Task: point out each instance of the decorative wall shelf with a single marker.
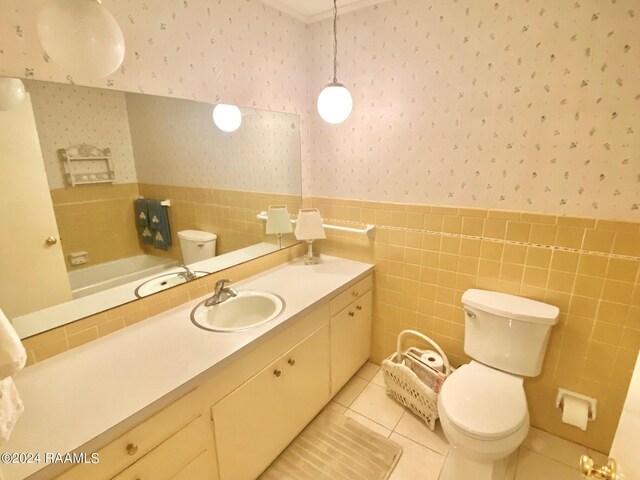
(87, 165)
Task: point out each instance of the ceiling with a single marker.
(310, 11)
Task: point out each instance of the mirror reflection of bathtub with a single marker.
(103, 276)
(31, 324)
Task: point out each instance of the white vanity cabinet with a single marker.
(177, 438)
(350, 332)
(258, 420)
(242, 413)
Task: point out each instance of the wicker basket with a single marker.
(405, 386)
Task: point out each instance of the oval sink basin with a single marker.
(162, 282)
(249, 309)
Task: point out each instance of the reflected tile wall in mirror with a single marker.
(162, 148)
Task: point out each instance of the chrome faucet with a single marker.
(221, 293)
(188, 274)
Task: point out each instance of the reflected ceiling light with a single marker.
(335, 102)
(227, 117)
(81, 36)
(11, 93)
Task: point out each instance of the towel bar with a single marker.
(369, 230)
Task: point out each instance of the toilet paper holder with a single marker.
(562, 393)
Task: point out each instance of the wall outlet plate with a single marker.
(78, 258)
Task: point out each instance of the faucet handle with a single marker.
(221, 283)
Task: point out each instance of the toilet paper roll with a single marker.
(433, 359)
(575, 411)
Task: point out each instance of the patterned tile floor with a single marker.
(363, 398)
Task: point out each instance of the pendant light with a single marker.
(81, 36)
(335, 102)
(227, 118)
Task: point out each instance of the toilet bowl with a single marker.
(484, 416)
(482, 405)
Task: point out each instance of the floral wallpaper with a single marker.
(530, 106)
(244, 53)
(175, 142)
(69, 115)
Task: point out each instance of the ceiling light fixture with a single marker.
(81, 36)
(227, 118)
(335, 102)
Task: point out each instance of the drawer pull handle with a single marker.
(132, 448)
(355, 293)
(351, 314)
(359, 307)
(291, 362)
(277, 372)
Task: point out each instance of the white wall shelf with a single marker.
(369, 230)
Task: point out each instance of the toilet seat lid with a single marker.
(483, 402)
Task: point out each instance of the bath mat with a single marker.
(335, 447)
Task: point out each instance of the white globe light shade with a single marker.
(227, 118)
(81, 36)
(11, 93)
(335, 103)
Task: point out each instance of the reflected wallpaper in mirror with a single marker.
(166, 149)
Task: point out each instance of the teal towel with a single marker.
(146, 237)
(141, 208)
(159, 224)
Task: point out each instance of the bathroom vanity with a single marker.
(163, 399)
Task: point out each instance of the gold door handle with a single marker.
(131, 448)
(51, 240)
(605, 472)
(277, 372)
(291, 362)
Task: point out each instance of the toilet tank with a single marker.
(507, 332)
(197, 245)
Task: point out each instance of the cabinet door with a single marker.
(350, 341)
(258, 420)
(176, 454)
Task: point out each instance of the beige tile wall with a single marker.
(97, 219)
(50, 343)
(427, 256)
(230, 214)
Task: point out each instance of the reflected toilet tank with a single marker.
(197, 245)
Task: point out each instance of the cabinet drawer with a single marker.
(350, 294)
(257, 421)
(175, 454)
(350, 340)
(133, 445)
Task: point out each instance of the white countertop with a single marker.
(78, 395)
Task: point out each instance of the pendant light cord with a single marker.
(335, 41)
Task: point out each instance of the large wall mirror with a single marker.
(84, 172)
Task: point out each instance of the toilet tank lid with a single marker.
(511, 306)
(197, 235)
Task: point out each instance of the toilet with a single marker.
(197, 245)
(482, 405)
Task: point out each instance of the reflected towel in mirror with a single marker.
(159, 224)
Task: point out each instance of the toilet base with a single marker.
(460, 467)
